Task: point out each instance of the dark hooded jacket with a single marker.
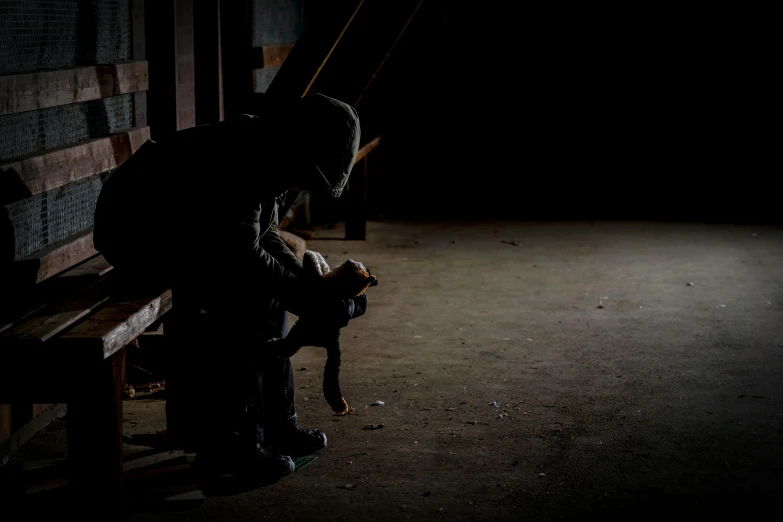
(202, 206)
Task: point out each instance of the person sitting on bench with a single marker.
(198, 212)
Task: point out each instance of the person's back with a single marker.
(173, 198)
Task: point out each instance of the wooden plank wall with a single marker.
(53, 168)
(57, 167)
(277, 25)
(186, 77)
(42, 89)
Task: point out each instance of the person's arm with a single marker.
(250, 258)
(274, 244)
(337, 313)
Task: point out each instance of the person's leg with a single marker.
(276, 376)
(277, 417)
(231, 438)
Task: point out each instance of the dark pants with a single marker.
(226, 390)
(224, 387)
(273, 388)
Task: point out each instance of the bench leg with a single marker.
(95, 440)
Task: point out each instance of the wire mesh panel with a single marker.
(38, 35)
(35, 131)
(275, 22)
(49, 217)
(54, 34)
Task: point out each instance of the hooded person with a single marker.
(198, 212)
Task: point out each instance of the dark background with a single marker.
(575, 113)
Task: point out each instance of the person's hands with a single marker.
(359, 305)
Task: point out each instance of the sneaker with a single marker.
(254, 464)
(296, 441)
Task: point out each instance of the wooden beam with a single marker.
(367, 148)
(308, 57)
(117, 324)
(60, 256)
(356, 220)
(38, 90)
(57, 167)
(47, 323)
(185, 65)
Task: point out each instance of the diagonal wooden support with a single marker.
(363, 49)
(312, 51)
(343, 53)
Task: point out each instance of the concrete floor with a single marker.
(564, 371)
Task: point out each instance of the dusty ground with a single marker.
(562, 371)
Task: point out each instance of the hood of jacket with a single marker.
(330, 132)
(317, 140)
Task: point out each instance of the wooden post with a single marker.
(139, 53)
(169, 48)
(185, 68)
(208, 61)
(95, 438)
(356, 221)
(236, 41)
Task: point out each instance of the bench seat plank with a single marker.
(117, 323)
(74, 282)
(62, 301)
(53, 319)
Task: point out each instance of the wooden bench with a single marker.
(65, 340)
(66, 320)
